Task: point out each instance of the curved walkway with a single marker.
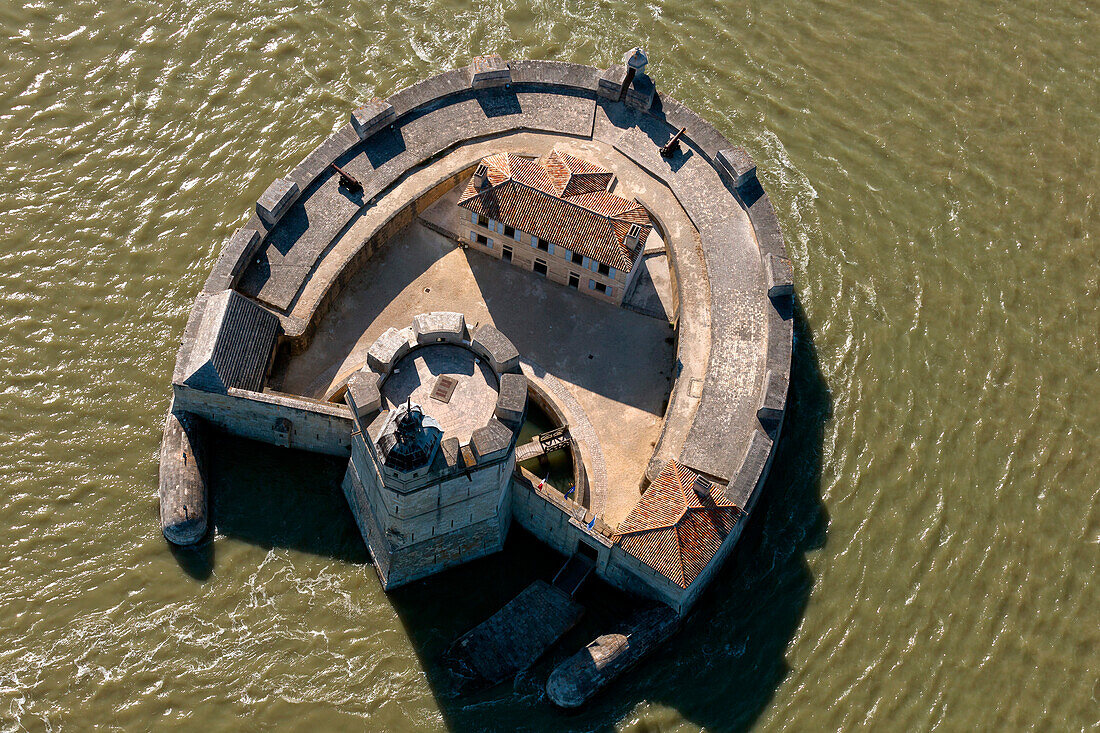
(580, 428)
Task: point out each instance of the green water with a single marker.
(557, 467)
(927, 554)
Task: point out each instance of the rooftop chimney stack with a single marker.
(702, 488)
(630, 241)
(481, 176)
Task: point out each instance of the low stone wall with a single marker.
(291, 422)
(559, 522)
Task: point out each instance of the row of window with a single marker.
(539, 243)
(540, 265)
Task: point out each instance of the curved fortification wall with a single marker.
(280, 273)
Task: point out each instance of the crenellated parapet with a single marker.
(275, 258)
(437, 413)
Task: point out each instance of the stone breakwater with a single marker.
(283, 270)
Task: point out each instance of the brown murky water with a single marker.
(927, 555)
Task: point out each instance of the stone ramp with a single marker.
(573, 574)
(514, 637)
(652, 292)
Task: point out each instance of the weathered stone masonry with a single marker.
(277, 276)
(453, 502)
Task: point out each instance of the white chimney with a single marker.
(631, 239)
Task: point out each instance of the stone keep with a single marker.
(437, 414)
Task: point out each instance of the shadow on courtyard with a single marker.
(630, 352)
(602, 348)
(721, 671)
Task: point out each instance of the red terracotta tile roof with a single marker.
(674, 528)
(562, 199)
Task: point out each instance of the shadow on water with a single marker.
(274, 497)
(722, 669)
(196, 560)
(730, 657)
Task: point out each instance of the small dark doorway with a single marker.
(540, 267)
(574, 280)
(506, 253)
(587, 551)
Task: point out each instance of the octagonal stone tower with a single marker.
(437, 412)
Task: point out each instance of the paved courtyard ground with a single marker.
(617, 364)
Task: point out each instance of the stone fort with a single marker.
(522, 236)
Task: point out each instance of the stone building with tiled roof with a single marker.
(678, 533)
(556, 216)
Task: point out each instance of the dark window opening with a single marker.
(601, 288)
(506, 253)
(574, 280)
(587, 551)
(482, 239)
(544, 245)
(509, 231)
(482, 221)
(540, 267)
(577, 258)
(603, 269)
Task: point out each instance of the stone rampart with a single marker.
(290, 261)
(726, 413)
(317, 301)
(447, 101)
(285, 420)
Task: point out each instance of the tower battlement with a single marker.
(437, 415)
